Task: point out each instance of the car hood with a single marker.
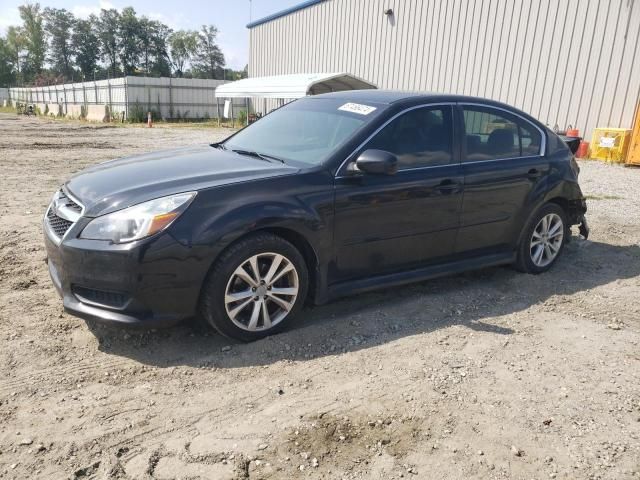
(118, 184)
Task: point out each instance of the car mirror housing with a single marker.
(377, 162)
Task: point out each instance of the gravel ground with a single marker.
(490, 374)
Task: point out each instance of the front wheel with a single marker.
(256, 288)
(543, 240)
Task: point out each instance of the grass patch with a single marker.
(203, 124)
(603, 197)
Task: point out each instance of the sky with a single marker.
(230, 16)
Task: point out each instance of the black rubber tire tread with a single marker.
(212, 299)
(523, 262)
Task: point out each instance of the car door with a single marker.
(503, 162)
(387, 223)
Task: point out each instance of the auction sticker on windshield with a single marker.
(357, 108)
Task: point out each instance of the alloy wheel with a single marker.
(261, 292)
(546, 240)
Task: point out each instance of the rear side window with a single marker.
(422, 137)
(492, 135)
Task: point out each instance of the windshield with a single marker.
(307, 130)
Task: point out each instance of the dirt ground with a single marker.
(490, 374)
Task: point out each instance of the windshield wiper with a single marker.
(219, 145)
(261, 156)
(271, 157)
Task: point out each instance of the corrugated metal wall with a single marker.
(171, 97)
(563, 61)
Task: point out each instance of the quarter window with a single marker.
(422, 137)
(490, 135)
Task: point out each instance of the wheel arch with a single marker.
(561, 201)
(303, 245)
(298, 240)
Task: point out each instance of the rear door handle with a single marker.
(534, 173)
(448, 185)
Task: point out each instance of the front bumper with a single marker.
(151, 283)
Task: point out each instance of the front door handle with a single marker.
(534, 173)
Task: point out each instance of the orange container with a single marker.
(583, 150)
(633, 158)
(573, 132)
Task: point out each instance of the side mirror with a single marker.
(377, 162)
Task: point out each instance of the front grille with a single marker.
(70, 204)
(58, 225)
(100, 297)
(62, 214)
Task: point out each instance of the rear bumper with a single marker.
(577, 216)
(577, 210)
(150, 284)
(583, 228)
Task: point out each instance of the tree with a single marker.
(16, 51)
(183, 45)
(160, 50)
(34, 39)
(58, 24)
(153, 37)
(108, 29)
(129, 36)
(110, 44)
(209, 59)
(7, 67)
(86, 46)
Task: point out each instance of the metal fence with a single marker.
(129, 97)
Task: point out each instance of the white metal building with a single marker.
(566, 62)
(268, 93)
(292, 86)
(171, 97)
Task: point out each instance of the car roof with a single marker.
(377, 96)
(408, 98)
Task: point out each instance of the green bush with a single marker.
(136, 114)
(242, 117)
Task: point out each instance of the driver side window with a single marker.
(422, 137)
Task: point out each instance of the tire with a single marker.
(538, 254)
(246, 308)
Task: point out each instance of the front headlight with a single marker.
(139, 221)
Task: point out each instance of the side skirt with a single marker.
(344, 289)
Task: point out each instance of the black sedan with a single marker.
(327, 196)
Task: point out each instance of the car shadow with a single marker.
(368, 320)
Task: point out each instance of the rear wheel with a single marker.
(543, 240)
(256, 288)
